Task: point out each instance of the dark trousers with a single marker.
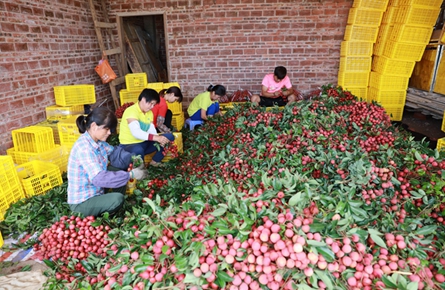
(109, 202)
(168, 119)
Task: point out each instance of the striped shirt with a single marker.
(87, 159)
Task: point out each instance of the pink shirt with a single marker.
(273, 86)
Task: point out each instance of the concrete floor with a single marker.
(421, 126)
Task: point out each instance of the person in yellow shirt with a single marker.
(206, 104)
(137, 133)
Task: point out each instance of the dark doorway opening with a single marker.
(145, 46)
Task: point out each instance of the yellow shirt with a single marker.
(201, 101)
(134, 112)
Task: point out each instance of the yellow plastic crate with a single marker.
(349, 80)
(68, 131)
(356, 48)
(136, 81)
(75, 95)
(355, 63)
(393, 67)
(33, 139)
(156, 86)
(1, 238)
(417, 15)
(62, 112)
(53, 125)
(443, 122)
(361, 33)
(225, 106)
(169, 85)
(393, 3)
(386, 97)
(179, 144)
(178, 121)
(149, 157)
(57, 155)
(175, 107)
(395, 112)
(12, 195)
(425, 3)
(364, 16)
(371, 4)
(411, 34)
(389, 17)
(388, 83)
(382, 38)
(440, 144)
(361, 93)
(127, 96)
(37, 177)
(10, 186)
(404, 51)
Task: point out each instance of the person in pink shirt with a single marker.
(276, 89)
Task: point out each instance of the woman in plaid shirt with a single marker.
(89, 174)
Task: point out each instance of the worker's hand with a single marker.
(139, 173)
(162, 140)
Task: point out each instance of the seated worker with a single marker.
(162, 116)
(276, 89)
(89, 173)
(138, 134)
(206, 104)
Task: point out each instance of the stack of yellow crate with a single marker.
(135, 83)
(10, 187)
(403, 37)
(30, 144)
(356, 50)
(37, 143)
(178, 118)
(68, 131)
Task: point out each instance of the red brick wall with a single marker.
(225, 42)
(42, 44)
(49, 43)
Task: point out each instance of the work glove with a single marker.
(139, 173)
(138, 162)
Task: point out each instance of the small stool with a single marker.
(191, 123)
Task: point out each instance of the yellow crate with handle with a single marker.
(68, 131)
(364, 16)
(440, 144)
(136, 81)
(387, 97)
(394, 67)
(74, 95)
(10, 187)
(395, 112)
(33, 139)
(361, 33)
(57, 112)
(356, 48)
(37, 177)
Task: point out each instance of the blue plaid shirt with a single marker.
(87, 159)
